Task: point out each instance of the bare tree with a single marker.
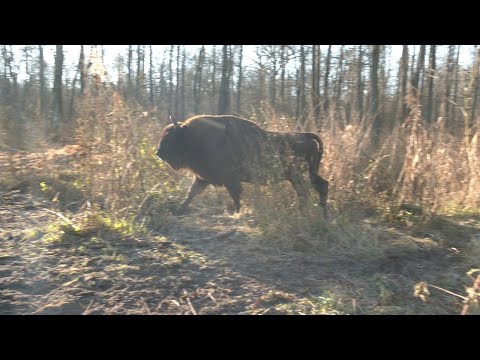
(151, 82)
(197, 84)
(129, 69)
(213, 88)
(301, 87)
(360, 85)
(416, 78)
(183, 89)
(170, 81)
(404, 77)
(375, 57)
(339, 77)
(316, 82)
(239, 83)
(41, 61)
(57, 86)
(224, 94)
(431, 80)
(325, 83)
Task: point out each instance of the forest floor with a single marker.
(210, 262)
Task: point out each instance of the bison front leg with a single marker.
(198, 185)
(235, 190)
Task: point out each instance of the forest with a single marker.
(88, 211)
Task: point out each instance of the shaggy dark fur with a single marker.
(227, 150)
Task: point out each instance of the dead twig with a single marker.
(59, 215)
(192, 309)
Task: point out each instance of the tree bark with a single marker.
(57, 86)
(325, 83)
(224, 94)
(375, 57)
(431, 82)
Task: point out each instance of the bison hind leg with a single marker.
(235, 190)
(300, 188)
(321, 185)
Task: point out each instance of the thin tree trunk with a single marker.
(177, 84)
(170, 81)
(416, 79)
(455, 91)
(448, 84)
(314, 80)
(213, 89)
(129, 67)
(81, 65)
(431, 82)
(42, 80)
(404, 81)
(339, 78)
(475, 87)
(325, 83)
(374, 93)
(302, 85)
(282, 75)
(152, 84)
(183, 90)
(57, 86)
(197, 85)
(239, 83)
(224, 94)
(273, 80)
(360, 83)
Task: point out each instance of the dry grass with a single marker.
(383, 234)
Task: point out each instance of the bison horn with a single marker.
(175, 122)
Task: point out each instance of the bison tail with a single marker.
(320, 145)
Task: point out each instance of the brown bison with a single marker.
(225, 150)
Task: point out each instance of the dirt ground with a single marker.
(211, 262)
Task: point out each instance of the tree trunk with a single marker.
(455, 91)
(475, 87)
(403, 92)
(416, 79)
(239, 84)
(213, 89)
(325, 83)
(360, 86)
(170, 81)
(57, 86)
(431, 82)
(302, 85)
(177, 84)
(42, 80)
(183, 90)
(129, 67)
(339, 78)
(448, 84)
(224, 94)
(197, 81)
(152, 84)
(375, 57)
(81, 65)
(314, 81)
(140, 74)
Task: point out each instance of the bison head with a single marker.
(171, 146)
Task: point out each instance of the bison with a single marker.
(225, 150)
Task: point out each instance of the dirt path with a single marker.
(207, 262)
